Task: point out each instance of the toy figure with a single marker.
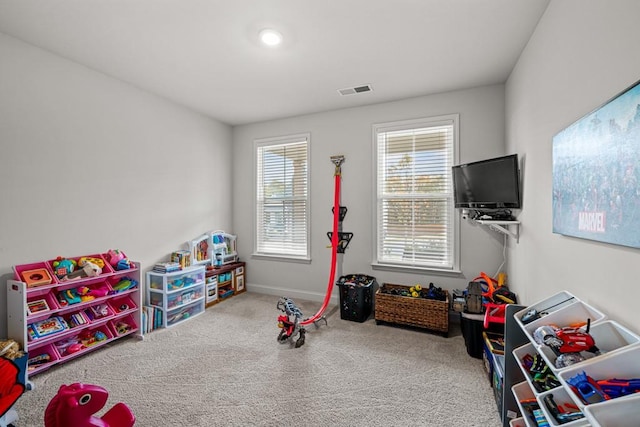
(75, 404)
(63, 266)
(114, 256)
(289, 322)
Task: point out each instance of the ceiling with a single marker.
(205, 54)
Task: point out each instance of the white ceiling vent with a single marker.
(357, 89)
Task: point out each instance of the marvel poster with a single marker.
(596, 171)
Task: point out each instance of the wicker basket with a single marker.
(419, 312)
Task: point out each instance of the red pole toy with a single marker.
(290, 322)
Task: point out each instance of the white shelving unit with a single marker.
(179, 295)
(61, 320)
(619, 357)
(503, 227)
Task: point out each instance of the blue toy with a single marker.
(587, 389)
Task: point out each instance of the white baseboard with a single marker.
(291, 293)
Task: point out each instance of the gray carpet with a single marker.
(226, 368)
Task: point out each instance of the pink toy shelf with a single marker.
(46, 311)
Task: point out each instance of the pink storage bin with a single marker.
(123, 326)
(122, 304)
(42, 358)
(90, 337)
(76, 319)
(40, 306)
(29, 273)
(123, 283)
(69, 297)
(83, 340)
(99, 312)
(106, 268)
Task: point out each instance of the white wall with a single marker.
(349, 132)
(581, 54)
(89, 163)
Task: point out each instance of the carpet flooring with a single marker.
(226, 368)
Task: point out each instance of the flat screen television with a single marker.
(487, 184)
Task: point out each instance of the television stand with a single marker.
(502, 226)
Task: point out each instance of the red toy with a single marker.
(75, 404)
(572, 340)
(10, 387)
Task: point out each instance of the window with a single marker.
(415, 224)
(282, 197)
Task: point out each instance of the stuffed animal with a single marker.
(10, 349)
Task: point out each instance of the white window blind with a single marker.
(282, 197)
(415, 214)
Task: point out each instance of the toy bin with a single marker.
(83, 341)
(609, 337)
(123, 326)
(224, 293)
(75, 294)
(184, 297)
(427, 313)
(76, 319)
(471, 325)
(356, 296)
(122, 284)
(539, 382)
(61, 273)
(39, 307)
(566, 406)
(546, 306)
(99, 312)
(42, 358)
(622, 365)
(122, 304)
(183, 313)
(618, 413)
(527, 403)
(46, 328)
(35, 274)
(575, 313)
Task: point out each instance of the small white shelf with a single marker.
(502, 227)
(179, 295)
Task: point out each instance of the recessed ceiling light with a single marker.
(270, 37)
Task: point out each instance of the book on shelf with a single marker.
(151, 318)
(167, 267)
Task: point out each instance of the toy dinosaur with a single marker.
(75, 404)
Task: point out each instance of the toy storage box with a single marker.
(418, 312)
(610, 337)
(561, 309)
(356, 296)
(618, 412)
(622, 364)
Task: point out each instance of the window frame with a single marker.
(274, 141)
(454, 218)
